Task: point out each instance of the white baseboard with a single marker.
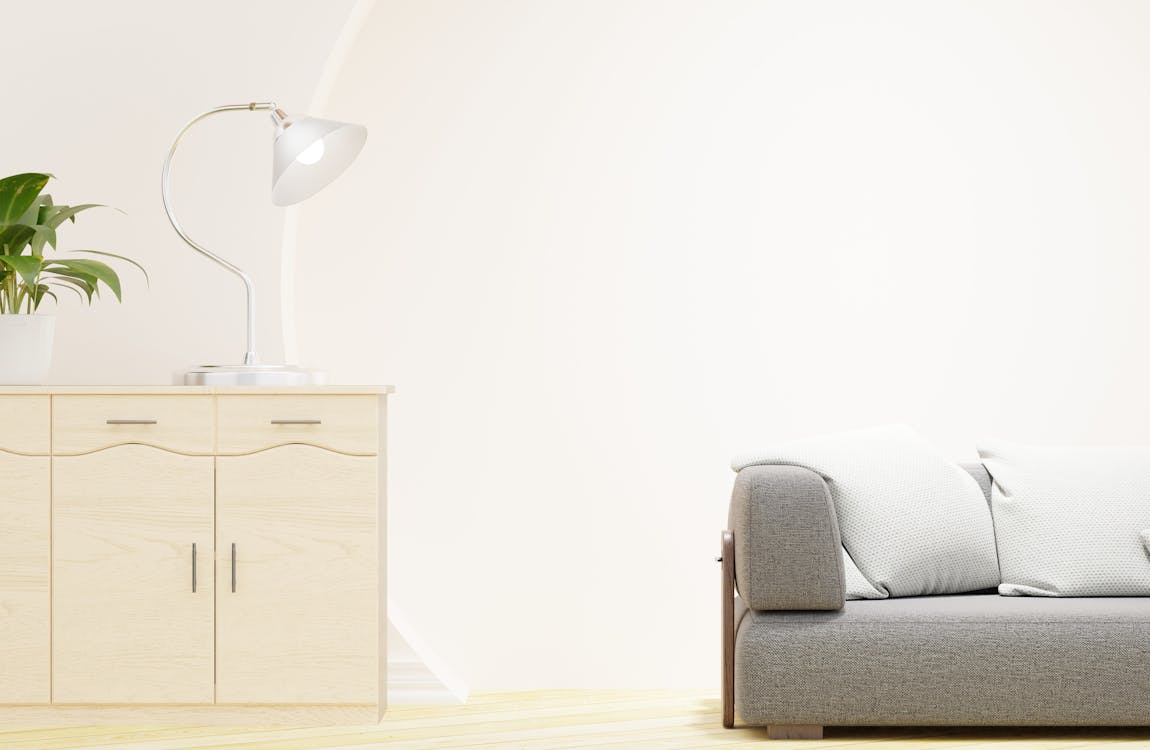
(411, 682)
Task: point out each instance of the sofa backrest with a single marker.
(981, 475)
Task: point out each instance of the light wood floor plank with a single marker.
(565, 720)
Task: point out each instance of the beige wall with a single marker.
(100, 90)
(601, 245)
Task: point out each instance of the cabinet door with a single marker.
(25, 549)
(25, 609)
(296, 603)
(127, 626)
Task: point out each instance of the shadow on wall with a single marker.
(602, 246)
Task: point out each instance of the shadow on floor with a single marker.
(713, 719)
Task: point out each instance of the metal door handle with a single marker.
(193, 567)
(233, 567)
(130, 421)
(297, 421)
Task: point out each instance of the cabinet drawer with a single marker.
(348, 424)
(25, 422)
(82, 424)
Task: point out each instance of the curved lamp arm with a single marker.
(250, 357)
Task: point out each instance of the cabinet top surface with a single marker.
(190, 390)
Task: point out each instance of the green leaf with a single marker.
(80, 286)
(26, 266)
(54, 216)
(18, 192)
(45, 201)
(43, 290)
(87, 278)
(120, 257)
(14, 238)
(32, 214)
(101, 271)
(42, 235)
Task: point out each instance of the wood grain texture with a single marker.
(25, 424)
(301, 626)
(190, 390)
(185, 424)
(538, 720)
(381, 561)
(80, 717)
(728, 616)
(347, 424)
(126, 625)
(25, 556)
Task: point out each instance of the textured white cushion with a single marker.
(1071, 521)
(913, 522)
(857, 586)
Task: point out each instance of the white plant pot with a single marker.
(25, 348)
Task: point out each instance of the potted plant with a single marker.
(29, 221)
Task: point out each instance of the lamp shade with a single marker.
(309, 153)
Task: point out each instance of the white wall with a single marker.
(99, 91)
(601, 245)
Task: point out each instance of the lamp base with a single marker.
(251, 375)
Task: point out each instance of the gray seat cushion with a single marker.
(948, 660)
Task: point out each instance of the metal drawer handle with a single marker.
(193, 567)
(130, 421)
(297, 421)
(233, 567)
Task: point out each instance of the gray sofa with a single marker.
(797, 657)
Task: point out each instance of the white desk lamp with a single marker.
(307, 154)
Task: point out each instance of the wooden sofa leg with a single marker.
(728, 561)
(794, 732)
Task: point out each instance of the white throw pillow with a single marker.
(913, 522)
(1071, 521)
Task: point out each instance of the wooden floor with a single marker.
(564, 719)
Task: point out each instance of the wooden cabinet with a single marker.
(87, 423)
(132, 527)
(25, 550)
(296, 606)
(192, 555)
(26, 425)
(24, 579)
(341, 424)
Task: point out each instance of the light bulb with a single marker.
(312, 153)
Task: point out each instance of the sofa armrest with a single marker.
(788, 553)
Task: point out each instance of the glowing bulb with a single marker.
(312, 153)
